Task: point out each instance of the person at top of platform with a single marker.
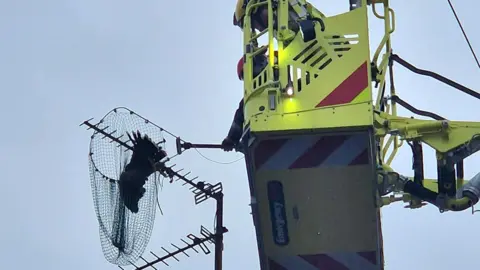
(259, 17)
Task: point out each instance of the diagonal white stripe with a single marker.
(289, 153)
(295, 263)
(348, 151)
(353, 261)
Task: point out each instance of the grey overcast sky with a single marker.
(62, 62)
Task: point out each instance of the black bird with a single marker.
(145, 154)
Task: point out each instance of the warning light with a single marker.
(289, 91)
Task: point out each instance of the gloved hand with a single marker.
(228, 144)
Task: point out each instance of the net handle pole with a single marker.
(181, 146)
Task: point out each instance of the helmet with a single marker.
(240, 69)
(239, 13)
(259, 63)
(237, 22)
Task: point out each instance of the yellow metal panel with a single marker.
(321, 118)
(338, 65)
(316, 203)
(328, 201)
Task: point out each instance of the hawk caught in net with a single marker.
(124, 183)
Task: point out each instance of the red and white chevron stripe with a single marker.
(312, 151)
(329, 261)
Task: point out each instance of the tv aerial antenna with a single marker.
(123, 239)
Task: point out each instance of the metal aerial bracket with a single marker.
(202, 190)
